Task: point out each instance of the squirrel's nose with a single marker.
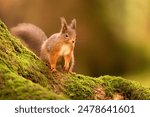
(73, 41)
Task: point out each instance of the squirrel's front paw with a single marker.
(66, 68)
(71, 72)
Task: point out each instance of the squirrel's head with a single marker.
(68, 32)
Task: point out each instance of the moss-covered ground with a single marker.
(24, 76)
(85, 87)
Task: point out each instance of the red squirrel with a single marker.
(60, 44)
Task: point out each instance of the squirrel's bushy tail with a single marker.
(31, 35)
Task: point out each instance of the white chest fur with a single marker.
(65, 50)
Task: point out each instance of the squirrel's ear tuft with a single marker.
(63, 25)
(73, 24)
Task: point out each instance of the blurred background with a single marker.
(113, 36)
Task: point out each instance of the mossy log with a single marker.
(24, 76)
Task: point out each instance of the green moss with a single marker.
(130, 89)
(20, 60)
(16, 87)
(80, 87)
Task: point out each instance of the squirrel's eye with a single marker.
(66, 35)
